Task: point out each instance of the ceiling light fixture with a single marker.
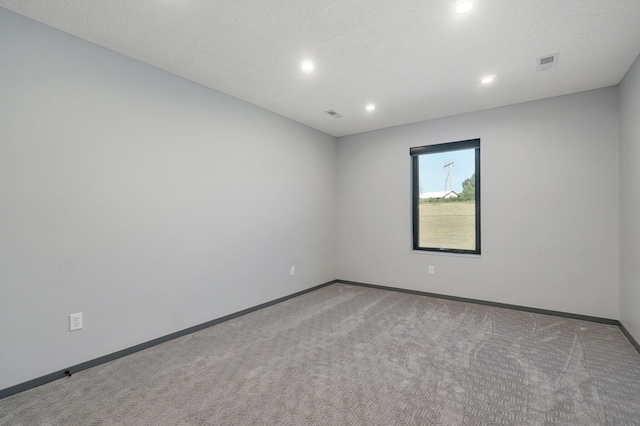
(488, 79)
(464, 7)
(306, 66)
(370, 107)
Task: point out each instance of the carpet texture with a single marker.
(350, 355)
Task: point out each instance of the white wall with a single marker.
(145, 201)
(550, 206)
(630, 200)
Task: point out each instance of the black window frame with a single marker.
(415, 153)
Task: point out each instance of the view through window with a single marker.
(446, 197)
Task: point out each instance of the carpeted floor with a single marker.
(350, 355)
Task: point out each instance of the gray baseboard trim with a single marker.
(488, 303)
(39, 381)
(4, 393)
(632, 339)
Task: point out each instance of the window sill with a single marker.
(446, 253)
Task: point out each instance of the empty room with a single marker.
(238, 212)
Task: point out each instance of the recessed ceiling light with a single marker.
(464, 7)
(306, 66)
(370, 107)
(488, 79)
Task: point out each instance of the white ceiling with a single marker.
(415, 59)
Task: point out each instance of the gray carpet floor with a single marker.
(350, 355)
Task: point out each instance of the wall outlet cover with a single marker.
(75, 321)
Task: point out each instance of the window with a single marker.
(446, 197)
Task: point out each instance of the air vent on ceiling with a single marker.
(548, 62)
(333, 114)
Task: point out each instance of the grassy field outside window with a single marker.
(448, 224)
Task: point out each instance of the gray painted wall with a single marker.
(550, 206)
(145, 201)
(630, 200)
(152, 204)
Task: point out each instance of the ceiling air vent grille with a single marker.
(333, 114)
(548, 62)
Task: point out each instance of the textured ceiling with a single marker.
(415, 60)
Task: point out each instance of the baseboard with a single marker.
(488, 303)
(39, 381)
(632, 339)
(133, 349)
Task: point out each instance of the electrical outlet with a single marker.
(293, 270)
(75, 321)
(432, 270)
